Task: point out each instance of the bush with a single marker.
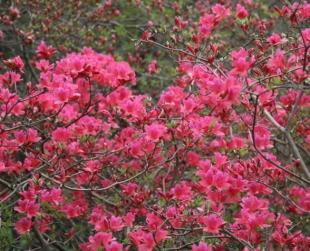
(214, 158)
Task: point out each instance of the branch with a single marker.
(263, 156)
(291, 142)
(183, 52)
(43, 242)
(243, 242)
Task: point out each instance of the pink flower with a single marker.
(74, 209)
(306, 35)
(114, 246)
(10, 78)
(1, 35)
(236, 143)
(134, 107)
(129, 219)
(252, 203)
(172, 97)
(193, 158)
(92, 166)
(143, 240)
(43, 224)
(15, 63)
(61, 134)
(14, 12)
(152, 67)
(119, 73)
(220, 11)
(182, 192)
(206, 24)
(241, 66)
(277, 62)
(262, 137)
(116, 223)
(2, 167)
(32, 136)
(23, 225)
(240, 61)
(180, 23)
(44, 51)
(100, 239)
(155, 131)
(28, 207)
(153, 221)
(241, 12)
(189, 105)
(44, 65)
(212, 223)
(161, 234)
(220, 180)
(52, 196)
(305, 10)
(31, 162)
(201, 247)
(274, 39)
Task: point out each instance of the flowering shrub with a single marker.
(217, 162)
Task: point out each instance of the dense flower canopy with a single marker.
(89, 162)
